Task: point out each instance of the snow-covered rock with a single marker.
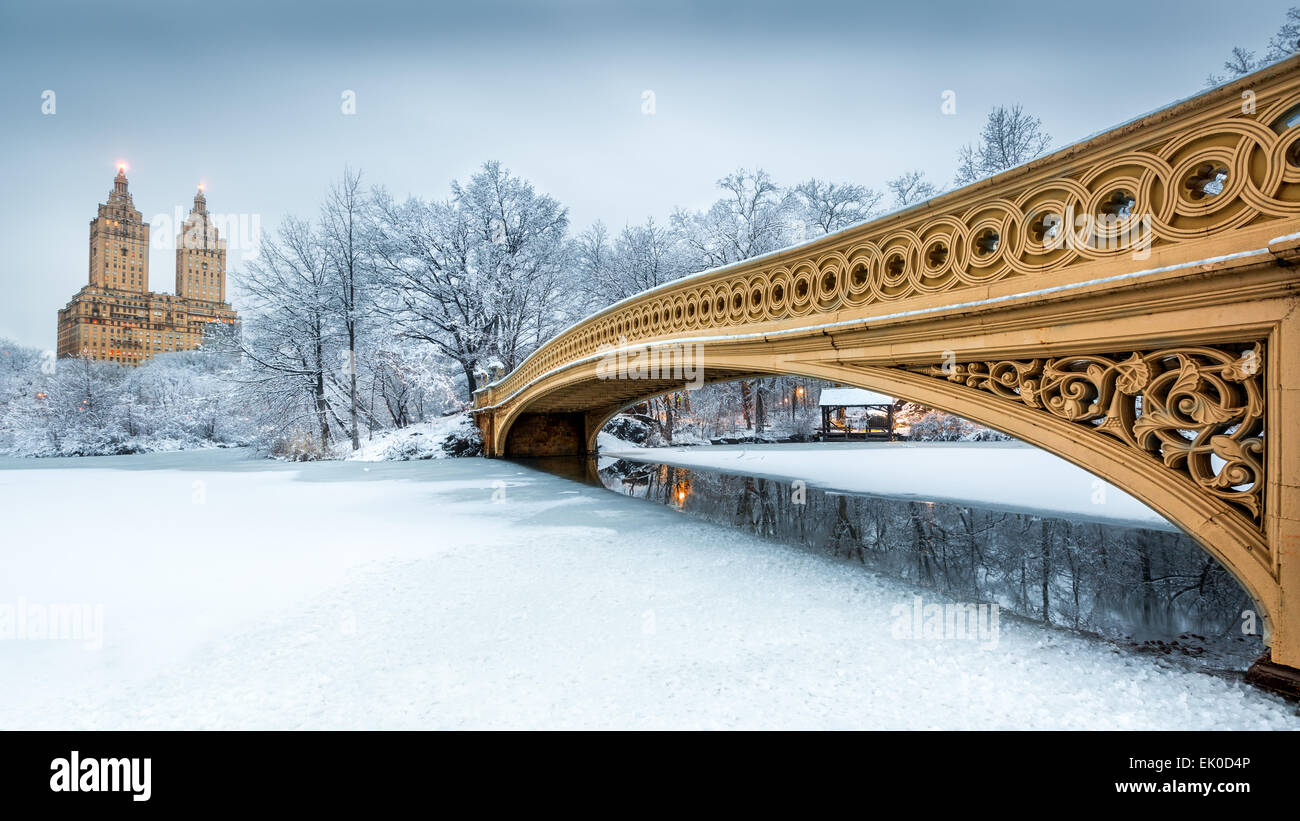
(448, 437)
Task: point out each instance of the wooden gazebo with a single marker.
(854, 413)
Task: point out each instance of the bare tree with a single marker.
(1287, 39)
(1241, 61)
(910, 188)
(1010, 138)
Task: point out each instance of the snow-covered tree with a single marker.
(408, 382)
(825, 207)
(640, 258)
(520, 244)
(290, 343)
(749, 220)
(345, 228)
(482, 275)
(21, 373)
(82, 407)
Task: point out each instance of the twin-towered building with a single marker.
(116, 317)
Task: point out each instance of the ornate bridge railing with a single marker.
(1205, 177)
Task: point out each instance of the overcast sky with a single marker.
(246, 97)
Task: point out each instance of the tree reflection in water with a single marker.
(1116, 580)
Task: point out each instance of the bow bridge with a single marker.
(1127, 303)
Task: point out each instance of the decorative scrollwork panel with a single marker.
(1200, 410)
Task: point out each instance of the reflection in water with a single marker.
(1112, 579)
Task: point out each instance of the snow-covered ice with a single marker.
(241, 593)
(1009, 476)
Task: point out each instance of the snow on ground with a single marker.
(241, 593)
(610, 442)
(423, 440)
(1008, 476)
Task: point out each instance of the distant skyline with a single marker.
(246, 98)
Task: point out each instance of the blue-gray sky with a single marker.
(246, 97)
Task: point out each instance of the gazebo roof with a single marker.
(852, 397)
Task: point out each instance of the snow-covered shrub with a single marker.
(979, 433)
(298, 447)
(447, 437)
(803, 429)
(937, 426)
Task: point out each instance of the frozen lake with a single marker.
(240, 593)
(1009, 476)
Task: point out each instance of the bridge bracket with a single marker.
(1198, 409)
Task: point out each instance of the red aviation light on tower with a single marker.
(121, 166)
